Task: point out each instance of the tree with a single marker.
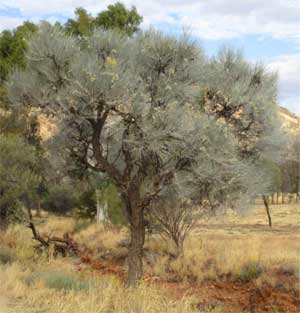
(83, 24)
(173, 219)
(119, 18)
(12, 48)
(290, 167)
(18, 180)
(128, 106)
(116, 17)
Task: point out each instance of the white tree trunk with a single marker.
(100, 209)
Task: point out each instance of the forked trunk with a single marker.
(135, 257)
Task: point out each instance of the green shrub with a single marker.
(115, 205)
(87, 206)
(6, 256)
(81, 225)
(60, 199)
(211, 308)
(58, 281)
(250, 271)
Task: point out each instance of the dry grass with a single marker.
(229, 247)
(106, 294)
(225, 246)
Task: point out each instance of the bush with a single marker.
(60, 199)
(87, 205)
(6, 256)
(58, 281)
(115, 205)
(250, 271)
(289, 270)
(81, 225)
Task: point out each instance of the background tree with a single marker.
(18, 180)
(290, 166)
(119, 18)
(12, 49)
(116, 17)
(82, 25)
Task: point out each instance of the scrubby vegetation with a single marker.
(144, 197)
(232, 265)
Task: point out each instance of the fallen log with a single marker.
(62, 246)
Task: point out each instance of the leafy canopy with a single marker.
(116, 17)
(129, 106)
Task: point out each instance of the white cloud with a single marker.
(9, 22)
(217, 19)
(288, 67)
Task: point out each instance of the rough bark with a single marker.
(135, 256)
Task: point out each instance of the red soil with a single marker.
(232, 297)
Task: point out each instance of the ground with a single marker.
(232, 263)
(4, 305)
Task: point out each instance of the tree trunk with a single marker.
(267, 210)
(277, 198)
(38, 209)
(100, 218)
(297, 197)
(179, 247)
(273, 198)
(135, 256)
(3, 218)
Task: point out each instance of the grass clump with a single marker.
(81, 225)
(289, 270)
(250, 271)
(211, 308)
(58, 281)
(7, 256)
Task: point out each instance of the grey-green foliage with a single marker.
(250, 271)
(139, 94)
(18, 178)
(244, 96)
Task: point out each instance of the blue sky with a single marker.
(266, 31)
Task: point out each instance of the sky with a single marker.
(266, 31)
